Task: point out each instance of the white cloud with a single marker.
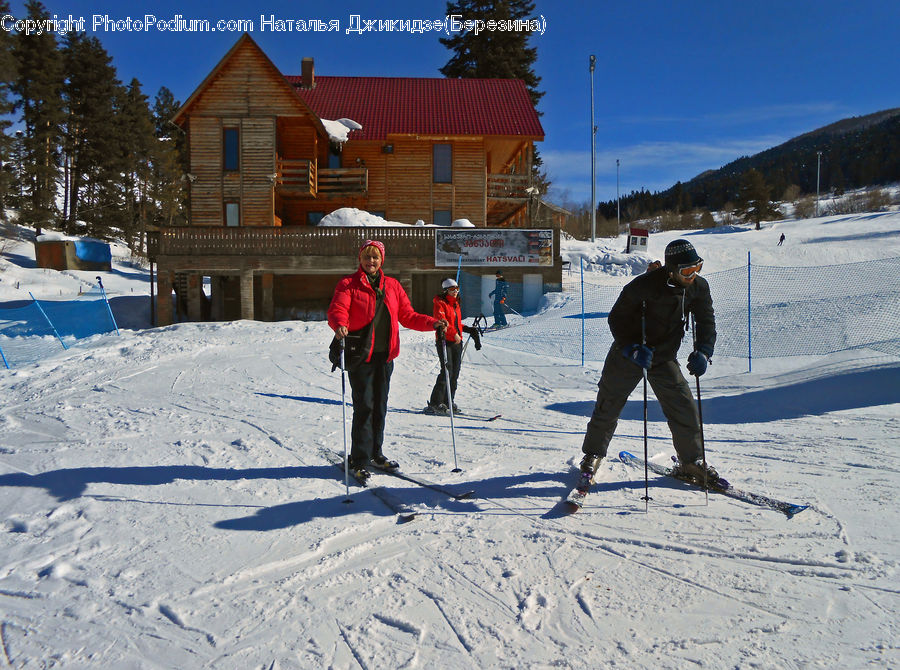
(651, 165)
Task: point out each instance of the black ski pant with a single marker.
(619, 378)
(454, 363)
(370, 383)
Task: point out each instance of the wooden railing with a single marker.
(343, 180)
(507, 186)
(286, 241)
(297, 175)
(303, 176)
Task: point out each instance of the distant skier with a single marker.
(501, 287)
(781, 240)
(446, 307)
(662, 298)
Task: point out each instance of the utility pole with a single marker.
(818, 172)
(618, 212)
(593, 159)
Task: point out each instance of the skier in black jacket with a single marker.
(661, 300)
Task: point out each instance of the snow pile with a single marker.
(350, 217)
(339, 131)
(602, 258)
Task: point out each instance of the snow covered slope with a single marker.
(165, 505)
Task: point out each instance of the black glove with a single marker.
(639, 354)
(697, 363)
(476, 336)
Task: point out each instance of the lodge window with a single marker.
(231, 149)
(232, 214)
(442, 217)
(442, 161)
(334, 158)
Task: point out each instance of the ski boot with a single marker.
(384, 463)
(589, 465)
(694, 472)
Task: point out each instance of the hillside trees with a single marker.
(38, 86)
(858, 152)
(90, 154)
(7, 77)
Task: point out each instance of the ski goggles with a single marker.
(692, 270)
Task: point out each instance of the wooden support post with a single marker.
(268, 297)
(247, 294)
(194, 297)
(164, 314)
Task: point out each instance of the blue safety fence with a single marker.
(761, 312)
(42, 328)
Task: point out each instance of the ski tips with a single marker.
(789, 512)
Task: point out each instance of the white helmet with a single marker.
(448, 284)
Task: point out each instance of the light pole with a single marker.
(618, 213)
(818, 172)
(593, 159)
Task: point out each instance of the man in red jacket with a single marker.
(368, 305)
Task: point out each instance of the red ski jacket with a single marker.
(353, 306)
(450, 311)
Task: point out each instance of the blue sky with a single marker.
(679, 87)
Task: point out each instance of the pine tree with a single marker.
(169, 162)
(38, 84)
(493, 54)
(755, 199)
(92, 146)
(138, 134)
(7, 81)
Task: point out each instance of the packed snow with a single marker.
(166, 503)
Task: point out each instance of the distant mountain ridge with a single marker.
(857, 152)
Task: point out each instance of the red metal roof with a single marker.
(385, 105)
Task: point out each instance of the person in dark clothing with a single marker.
(781, 240)
(501, 287)
(661, 299)
(446, 307)
(370, 304)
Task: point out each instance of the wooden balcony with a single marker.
(302, 178)
(508, 187)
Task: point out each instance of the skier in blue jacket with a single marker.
(499, 295)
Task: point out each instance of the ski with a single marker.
(396, 472)
(465, 415)
(720, 486)
(401, 509)
(476, 417)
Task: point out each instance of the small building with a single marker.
(638, 238)
(62, 253)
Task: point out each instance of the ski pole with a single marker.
(646, 450)
(449, 401)
(512, 310)
(348, 499)
(700, 414)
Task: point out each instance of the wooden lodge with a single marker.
(266, 166)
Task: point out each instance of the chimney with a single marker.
(308, 73)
